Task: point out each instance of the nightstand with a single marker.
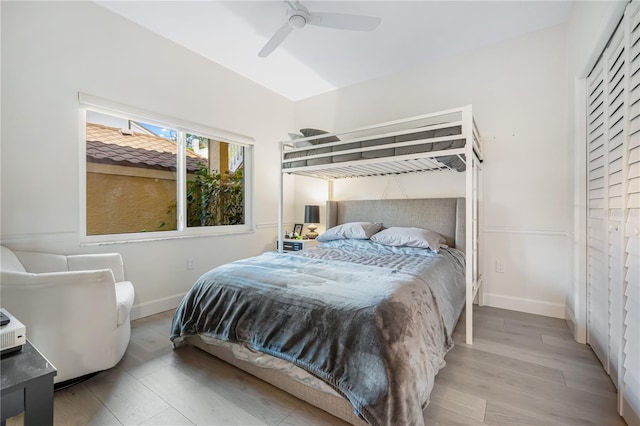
(297, 245)
(27, 386)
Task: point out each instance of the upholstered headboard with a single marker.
(446, 216)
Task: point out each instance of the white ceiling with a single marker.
(315, 60)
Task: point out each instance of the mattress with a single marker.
(315, 148)
(330, 402)
(372, 322)
(259, 359)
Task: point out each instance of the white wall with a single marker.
(519, 91)
(53, 50)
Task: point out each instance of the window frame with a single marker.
(104, 106)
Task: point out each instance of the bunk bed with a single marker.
(442, 141)
(438, 142)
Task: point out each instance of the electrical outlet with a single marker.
(191, 263)
(500, 266)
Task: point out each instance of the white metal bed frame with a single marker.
(470, 153)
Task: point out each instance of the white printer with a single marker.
(13, 333)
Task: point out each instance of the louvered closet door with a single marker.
(616, 56)
(607, 135)
(613, 203)
(598, 310)
(631, 323)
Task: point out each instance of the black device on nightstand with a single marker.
(4, 320)
(297, 245)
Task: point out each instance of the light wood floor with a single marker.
(521, 370)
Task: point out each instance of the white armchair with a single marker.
(75, 308)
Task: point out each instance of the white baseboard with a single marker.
(579, 331)
(156, 306)
(520, 304)
(628, 414)
(570, 320)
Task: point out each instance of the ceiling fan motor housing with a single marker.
(297, 19)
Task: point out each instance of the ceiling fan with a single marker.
(298, 16)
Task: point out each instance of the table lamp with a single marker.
(312, 216)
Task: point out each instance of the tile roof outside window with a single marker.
(110, 145)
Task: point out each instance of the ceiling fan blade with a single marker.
(344, 21)
(275, 41)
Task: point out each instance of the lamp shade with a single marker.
(311, 214)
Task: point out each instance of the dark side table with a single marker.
(27, 385)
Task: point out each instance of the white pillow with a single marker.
(410, 237)
(355, 230)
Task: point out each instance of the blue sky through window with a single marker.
(160, 131)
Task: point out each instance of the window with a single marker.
(215, 182)
(156, 177)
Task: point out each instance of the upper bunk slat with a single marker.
(412, 163)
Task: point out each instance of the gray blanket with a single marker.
(375, 334)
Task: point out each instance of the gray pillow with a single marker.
(316, 132)
(354, 230)
(410, 237)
